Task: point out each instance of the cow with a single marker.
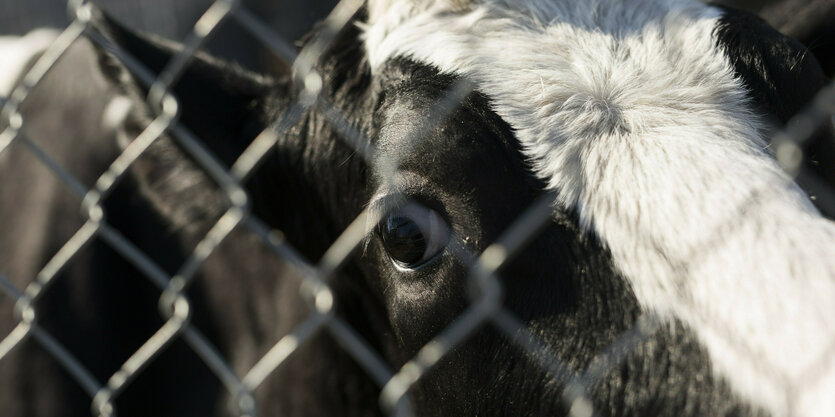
(645, 124)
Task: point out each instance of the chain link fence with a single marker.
(485, 306)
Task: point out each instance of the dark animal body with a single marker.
(568, 286)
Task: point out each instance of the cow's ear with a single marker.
(217, 100)
(222, 105)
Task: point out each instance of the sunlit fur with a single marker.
(632, 113)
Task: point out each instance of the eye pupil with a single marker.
(403, 240)
(413, 235)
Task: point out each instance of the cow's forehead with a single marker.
(564, 71)
(595, 92)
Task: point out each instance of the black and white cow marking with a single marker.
(612, 104)
(649, 120)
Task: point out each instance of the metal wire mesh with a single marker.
(485, 307)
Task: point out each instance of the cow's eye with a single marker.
(413, 235)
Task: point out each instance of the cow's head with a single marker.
(647, 121)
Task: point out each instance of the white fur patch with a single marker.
(16, 52)
(633, 113)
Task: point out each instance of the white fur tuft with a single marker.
(632, 112)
